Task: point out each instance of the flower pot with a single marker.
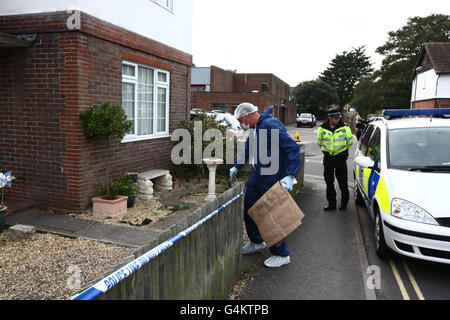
(110, 208)
(130, 202)
(2, 218)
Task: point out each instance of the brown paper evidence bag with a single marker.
(276, 214)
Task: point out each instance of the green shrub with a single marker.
(200, 170)
(108, 120)
(124, 186)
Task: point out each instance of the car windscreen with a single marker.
(306, 116)
(419, 149)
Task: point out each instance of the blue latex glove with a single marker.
(233, 172)
(288, 182)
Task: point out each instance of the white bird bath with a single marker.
(212, 164)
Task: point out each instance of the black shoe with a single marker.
(343, 206)
(330, 207)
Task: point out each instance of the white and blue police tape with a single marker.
(112, 280)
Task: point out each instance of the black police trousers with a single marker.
(336, 166)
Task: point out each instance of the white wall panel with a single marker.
(141, 16)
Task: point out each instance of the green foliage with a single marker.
(406, 43)
(108, 120)
(124, 186)
(314, 97)
(345, 71)
(391, 84)
(198, 170)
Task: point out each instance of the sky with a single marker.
(296, 39)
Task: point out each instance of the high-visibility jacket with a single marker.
(335, 141)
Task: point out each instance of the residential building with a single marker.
(431, 77)
(213, 88)
(57, 59)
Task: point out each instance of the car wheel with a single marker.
(381, 248)
(298, 126)
(359, 200)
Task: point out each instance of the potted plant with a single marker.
(108, 120)
(124, 186)
(5, 180)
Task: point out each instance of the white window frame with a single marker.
(161, 3)
(156, 85)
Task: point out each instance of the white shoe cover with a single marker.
(251, 247)
(277, 261)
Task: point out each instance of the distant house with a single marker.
(57, 59)
(213, 88)
(431, 77)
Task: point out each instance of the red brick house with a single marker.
(73, 59)
(431, 77)
(213, 88)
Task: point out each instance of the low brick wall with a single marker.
(204, 265)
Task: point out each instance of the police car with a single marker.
(402, 175)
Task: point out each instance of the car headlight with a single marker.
(409, 211)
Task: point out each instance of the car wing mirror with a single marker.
(365, 162)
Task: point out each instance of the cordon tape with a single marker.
(113, 279)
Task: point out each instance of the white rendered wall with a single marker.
(424, 86)
(443, 86)
(141, 16)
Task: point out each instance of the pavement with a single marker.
(73, 227)
(327, 257)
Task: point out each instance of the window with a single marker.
(365, 139)
(168, 4)
(145, 100)
(264, 87)
(373, 149)
(219, 107)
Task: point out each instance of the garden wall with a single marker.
(204, 265)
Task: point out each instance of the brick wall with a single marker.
(221, 80)
(425, 104)
(44, 88)
(30, 137)
(263, 101)
(249, 82)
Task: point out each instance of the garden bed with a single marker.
(46, 267)
(188, 196)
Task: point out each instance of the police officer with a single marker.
(335, 139)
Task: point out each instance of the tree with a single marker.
(391, 85)
(313, 96)
(367, 97)
(346, 70)
(401, 52)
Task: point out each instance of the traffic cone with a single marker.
(297, 136)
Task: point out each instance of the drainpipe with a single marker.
(436, 105)
(188, 93)
(415, 91)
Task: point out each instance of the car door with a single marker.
(373, 152)
(367, 176)
(362, 151)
